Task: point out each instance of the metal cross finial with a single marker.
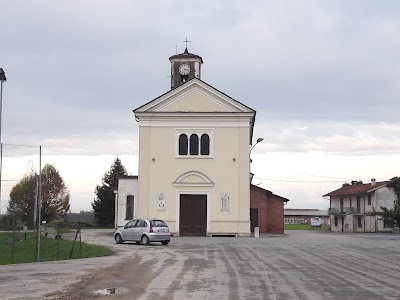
(186, 41)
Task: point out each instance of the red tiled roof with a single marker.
(355, 189)
(268, 192)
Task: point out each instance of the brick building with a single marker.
(266, 210)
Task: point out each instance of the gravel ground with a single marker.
(297, 265)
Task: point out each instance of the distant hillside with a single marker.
(83, 216)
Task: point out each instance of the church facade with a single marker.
(194, 164)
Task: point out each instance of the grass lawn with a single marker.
(305, 227)
(25, 250)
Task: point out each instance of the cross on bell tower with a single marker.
(184, 67)
(186, 41)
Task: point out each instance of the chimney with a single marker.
(373, 181)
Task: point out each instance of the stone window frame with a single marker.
(194, 143)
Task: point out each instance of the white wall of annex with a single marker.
(126, 187)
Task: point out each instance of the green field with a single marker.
(305, 227)
(25, 250)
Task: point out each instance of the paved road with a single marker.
(298, 265)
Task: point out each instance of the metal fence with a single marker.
(21, 246)
(16, 161)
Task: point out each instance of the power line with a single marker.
(20, 145)
(325, 176)
(300, 181)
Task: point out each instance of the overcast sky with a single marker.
(322, 76)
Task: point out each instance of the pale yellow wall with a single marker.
(144, 160)
(195, 101)
(228, 169)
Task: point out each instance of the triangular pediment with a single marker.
(194, 96)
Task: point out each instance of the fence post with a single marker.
(58, 238)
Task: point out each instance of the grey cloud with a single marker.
(335, 138)
(76, 70)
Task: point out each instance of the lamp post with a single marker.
(2, 79)
(259, 140)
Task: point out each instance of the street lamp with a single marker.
(259, 140)
(2, 79)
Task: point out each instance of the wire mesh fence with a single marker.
(58, 242)
(24, 237)
(17, 161)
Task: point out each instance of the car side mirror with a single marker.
(126, 226)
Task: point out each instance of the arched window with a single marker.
(183, 144)
(130, 200)
(205, 144)
(194, 144)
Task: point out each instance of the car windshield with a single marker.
(158, 223)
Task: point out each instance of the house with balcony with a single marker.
(355, 207)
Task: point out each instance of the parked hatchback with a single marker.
(143, 231)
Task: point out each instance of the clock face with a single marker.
(184, 69)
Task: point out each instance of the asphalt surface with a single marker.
(297, 265)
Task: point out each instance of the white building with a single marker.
(194, 160)
(125, 204)
(304, 216)
(353, 207)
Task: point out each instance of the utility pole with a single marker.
(35, 211)
(39, 205)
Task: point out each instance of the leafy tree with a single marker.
(6, 222)
(104, 204)
(393, 213)
(22, 199)
(55, 196)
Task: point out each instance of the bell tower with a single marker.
(184, 66)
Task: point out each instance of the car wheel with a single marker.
(145, 240)
(118, 239)
(165, 243)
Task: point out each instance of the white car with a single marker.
(143, 231)
(317, 222)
